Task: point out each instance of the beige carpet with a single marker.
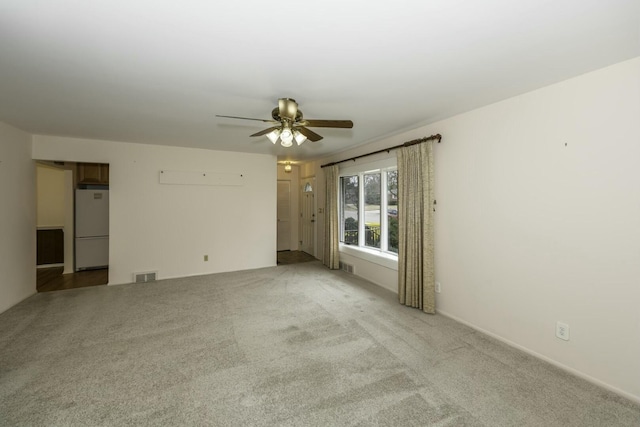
(294, 345)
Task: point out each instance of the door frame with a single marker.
(279, 243)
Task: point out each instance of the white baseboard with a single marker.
(18, 302)
(49, 265)
(573, 371)
(158, 278)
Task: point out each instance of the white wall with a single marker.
(169, 228)
(531, 231)
(537, 221)
(50, 185)
(69, 221)
(17, 217)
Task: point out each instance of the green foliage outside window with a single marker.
(393, 234)
(351, 231)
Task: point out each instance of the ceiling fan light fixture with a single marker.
(273, 135)
(299, 137)
(286, 136)
(286, 133)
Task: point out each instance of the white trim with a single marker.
(18, 302)
(50, 265)
(573, 371)
(371, 255)
(158, 278)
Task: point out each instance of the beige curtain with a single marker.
(416, 279)
(331, 257)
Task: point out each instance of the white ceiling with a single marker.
(158, 71)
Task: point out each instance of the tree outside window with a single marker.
(372, 210)
(350, 206)
(392, 210)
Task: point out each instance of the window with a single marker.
(372, 224)
(369, 209)
(392, 211)
(349, 207)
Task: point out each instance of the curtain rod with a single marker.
(406, 144)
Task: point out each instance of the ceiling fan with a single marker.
(289, 124)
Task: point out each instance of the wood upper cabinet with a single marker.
(93, 173)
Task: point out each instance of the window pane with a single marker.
(349, 202)
(372, 210)
(392, 210)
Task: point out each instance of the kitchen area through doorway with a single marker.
(72, 225)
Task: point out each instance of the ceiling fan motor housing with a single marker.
(288, 123)
(287, 109)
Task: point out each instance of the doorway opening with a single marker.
(294, 257)
(72, 225)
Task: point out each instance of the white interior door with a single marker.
(284, 215)
(307, 216)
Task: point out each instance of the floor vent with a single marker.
(149, 276)
(346, 267)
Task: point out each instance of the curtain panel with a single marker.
(331, 255)
(416, 278)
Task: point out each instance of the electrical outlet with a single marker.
(562, 331)
(206, 257)
(438, 287)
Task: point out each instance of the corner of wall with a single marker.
(18, 220)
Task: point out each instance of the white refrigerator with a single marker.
(92, 229)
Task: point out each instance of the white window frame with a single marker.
(361, 250)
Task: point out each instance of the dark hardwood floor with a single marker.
(294, 257)
(52, 279)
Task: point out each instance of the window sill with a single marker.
(376, 257)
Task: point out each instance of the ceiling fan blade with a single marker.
(288, 108)
(247, 118)
(266, 131)
(328, 123)
(311, 135)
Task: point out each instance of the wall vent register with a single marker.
(346, 267)
(150, 276)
